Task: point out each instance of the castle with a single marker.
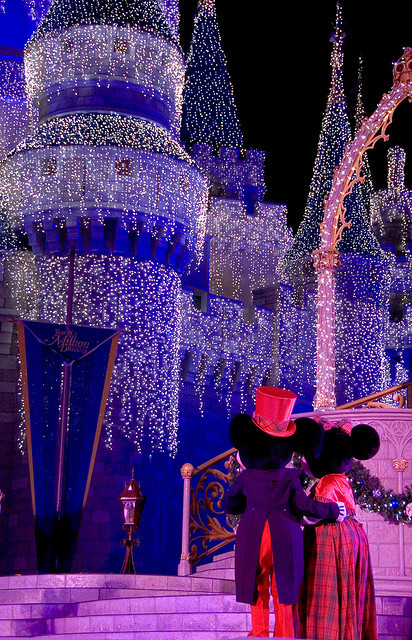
(120, 158)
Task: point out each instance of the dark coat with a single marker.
(275, 495)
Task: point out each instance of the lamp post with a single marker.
(131, 504)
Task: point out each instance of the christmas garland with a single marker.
(370, 494)
(368, 491)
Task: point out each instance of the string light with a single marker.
(361, 257)
(146, 15)
(102, 67)
(221, 341)
(209, 113)
(244, 249)
(146, 299)
(115, 183)
(13, 104)
(367, 184)
(99, 155)
(334, 137)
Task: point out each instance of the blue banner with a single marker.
(66, 371)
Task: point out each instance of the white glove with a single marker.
(342, 512)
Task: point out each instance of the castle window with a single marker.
(121, 46)
(48, 166)
(395, 309)
(110, 228)
(200, 300)
(123, 166)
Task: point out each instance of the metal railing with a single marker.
(370, 401)
(205, 527)
(202, 513)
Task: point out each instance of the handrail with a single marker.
(375, 396)
(217, 531)
(212, 461)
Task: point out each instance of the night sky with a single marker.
(278, 56)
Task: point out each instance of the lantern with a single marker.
(131, 504)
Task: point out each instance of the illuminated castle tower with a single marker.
(360, 276)
(104, 173)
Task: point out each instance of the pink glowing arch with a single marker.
(326, 258)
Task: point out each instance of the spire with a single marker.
(209, 111)
(334, 137)
(144, 14)
(367, 185)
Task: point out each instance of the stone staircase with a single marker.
(125, 607)
(136, 607)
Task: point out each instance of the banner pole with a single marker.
(64, 407)
(70, 288)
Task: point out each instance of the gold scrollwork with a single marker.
(206, 531)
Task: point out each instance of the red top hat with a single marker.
(273, 410)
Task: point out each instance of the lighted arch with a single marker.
(326, 258)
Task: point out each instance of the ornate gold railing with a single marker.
(205, 528)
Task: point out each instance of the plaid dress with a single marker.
(336, 599)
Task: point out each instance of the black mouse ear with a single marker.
(365, 442)
(308, 437)
(241, 430)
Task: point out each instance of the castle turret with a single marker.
(104, 172)
(209, 110)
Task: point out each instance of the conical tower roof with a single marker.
(334, 137)
(145, 14)
(367, 185)
(209, 110)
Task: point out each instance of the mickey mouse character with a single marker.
(269, 543)
(336, 600)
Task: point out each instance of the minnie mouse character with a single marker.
(269, 545)
(336, 599)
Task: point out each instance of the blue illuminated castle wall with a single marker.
(174, 243)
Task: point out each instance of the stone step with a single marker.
(216, 621)
(140, 635)
(72, 588)
(155, 604)
(223, 563)
(216, 572)
(120, 607)
(185, 617)
(228, 555)
(222, 566)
